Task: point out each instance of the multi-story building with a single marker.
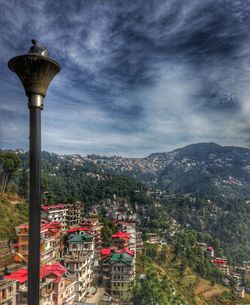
(56, 213)
(5, 253)
(139, 241)
(51, 234)
(153, 238)
(75, 213)
(129, 228)
(95, 229)
(7, 292)
(64, 288)
(221, 264)
(55, 287)
(46, 288)
(68, 215)
(106, 254)
(121, 239)
(122, 274)
(79, 262)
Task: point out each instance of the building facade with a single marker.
(122, 275)
(8, 292)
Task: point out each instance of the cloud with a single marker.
(136, 78)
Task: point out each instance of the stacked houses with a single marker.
(71, 250)
(8, 292)
(67, 214)
(51, 243)
(67, 258)
(78, 260)
(55, 287)
(118, 262)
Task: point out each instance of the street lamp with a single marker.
(35, 70)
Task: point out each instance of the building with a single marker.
(75, 213)
(46, 288)
(5, 254)
(78, 260)
(64, 288)
(55, 287)
(152, 238)
(95, 229)
(121, 239)
(106, 254)
(139, 241)
(68, 214)
(55, 213)
(129, 228)
(122, 274)
(210, 252)
(51, 235)
(221, 264)
(239, 292)
(7, 292)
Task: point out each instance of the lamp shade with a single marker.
(35, 72)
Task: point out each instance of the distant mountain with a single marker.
(205, 168)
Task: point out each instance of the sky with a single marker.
(136, 77)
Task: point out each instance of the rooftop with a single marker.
(123, 258)
(79, 238)
(21, 275)
(121, 235)
(53, 206)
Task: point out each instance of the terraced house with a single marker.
(78, 260)
(122, 274)
(7, 292)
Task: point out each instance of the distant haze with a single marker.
(137, 76)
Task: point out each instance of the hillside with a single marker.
(187, 285)
(12, 212)
(205, 168)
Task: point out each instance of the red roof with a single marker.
(106, 251)
(125, 250)
(45, 226)
(72, 230)
(121, 235)
(21, 275)
(57, 269)
(219, 261)
(54, 206)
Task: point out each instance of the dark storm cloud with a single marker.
(136, 77)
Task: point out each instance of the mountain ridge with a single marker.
(207, 169)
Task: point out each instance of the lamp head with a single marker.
(35, 69)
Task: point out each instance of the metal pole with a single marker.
(35, 70)
(35, 106)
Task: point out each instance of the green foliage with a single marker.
(24, 184)
(108, 229)
(155, 290)
(226, 221)
(10, 217)
(9, 164)
(190, 254)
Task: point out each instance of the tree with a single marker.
(9, 164)
(24, 184)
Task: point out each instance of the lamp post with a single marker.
(35, 70)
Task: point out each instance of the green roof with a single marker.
(123, 258)
(80, 238)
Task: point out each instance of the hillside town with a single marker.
(76, 268)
